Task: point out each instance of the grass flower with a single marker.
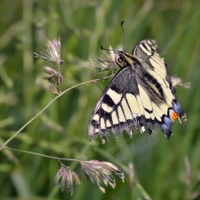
(65, 178)
(52, 76)
(108, 64)
(101, 172)
(177, 81)
(51, 52)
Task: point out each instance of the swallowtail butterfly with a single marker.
(140, 96)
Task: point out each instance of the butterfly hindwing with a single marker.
(165, 102)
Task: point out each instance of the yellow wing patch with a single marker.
(132, 101)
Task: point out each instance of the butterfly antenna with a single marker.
(109, 50)
(102, 48)
(124, 36)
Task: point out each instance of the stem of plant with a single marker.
(58, 96)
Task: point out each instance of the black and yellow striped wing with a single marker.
(140, 96)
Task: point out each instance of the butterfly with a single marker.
(141, 96)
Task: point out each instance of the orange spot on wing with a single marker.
(174, 116)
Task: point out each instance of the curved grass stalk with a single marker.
(42, 155)
(58, 96)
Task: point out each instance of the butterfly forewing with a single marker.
(113, 110)
(140, 96)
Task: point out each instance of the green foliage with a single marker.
(162, 169)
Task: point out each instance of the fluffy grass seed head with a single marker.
(51, 52)
(65, 178)
(178, 82)
(109, 63)
(52, 76)
(101, 172)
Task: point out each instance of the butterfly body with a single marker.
(140, 96)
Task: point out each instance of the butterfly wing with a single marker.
(117, 109)
(156, 85)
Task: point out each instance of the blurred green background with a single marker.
(164, 169)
